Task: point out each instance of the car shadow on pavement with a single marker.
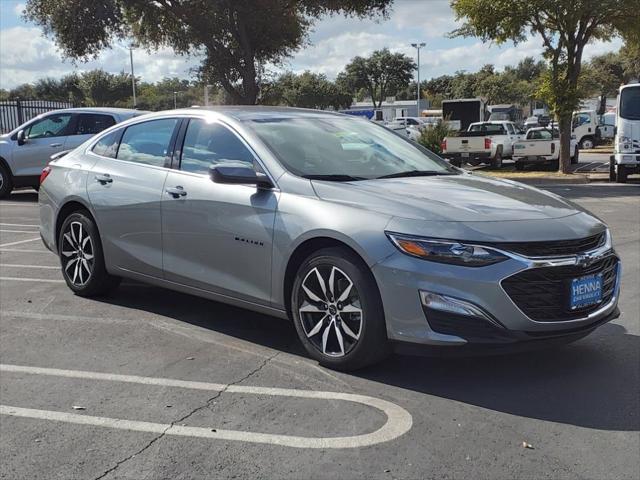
(256, 328)
(592, 383)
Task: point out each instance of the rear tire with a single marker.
(519, 166)
(342, 325)
(554, 165)
(496, 161)
(82, 259)
(6, 182)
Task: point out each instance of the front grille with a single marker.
(543, 293)
(554, 248)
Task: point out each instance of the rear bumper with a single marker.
(467, 155)
(532, 159)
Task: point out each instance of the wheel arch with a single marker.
(301, 252)
(71, 206)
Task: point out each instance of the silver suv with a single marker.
(367, 241)
(25, 151)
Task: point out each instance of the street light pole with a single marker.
(418, 46)
(133, 77)
(175, 99)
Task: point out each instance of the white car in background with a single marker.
(541, 146)
(25, 151)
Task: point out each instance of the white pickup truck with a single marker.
(541, 146)
(483, 142)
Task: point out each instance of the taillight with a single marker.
(443, 145)
(553, 147)
(487, 143)
(45, 173)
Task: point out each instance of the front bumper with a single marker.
(630, 159)
(400, 279)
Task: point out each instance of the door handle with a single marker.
(104, 179)
(55, 145)
(176, 192)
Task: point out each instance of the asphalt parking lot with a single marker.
(153, 384)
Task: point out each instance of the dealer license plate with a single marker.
(586, 291)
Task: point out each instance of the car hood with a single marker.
(448, 198)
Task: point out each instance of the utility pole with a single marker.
(175, 99)
(133, 77)
(206, 95)
(418, 46)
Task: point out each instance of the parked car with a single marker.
(365, 240)
(541, 145)
(483, 142)
(25, 151)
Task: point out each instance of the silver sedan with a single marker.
(365, 240)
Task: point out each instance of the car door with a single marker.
(217, 237)
(125, 188)
(85, 126)
(43, 138)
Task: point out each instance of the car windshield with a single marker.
(341, 149)
(630, 103)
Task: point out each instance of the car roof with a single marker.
(256, 112)
(107, 110)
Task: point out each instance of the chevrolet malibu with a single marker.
(365, 240)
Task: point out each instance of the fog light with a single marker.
(456, 306)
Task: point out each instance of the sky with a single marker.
(26, 55)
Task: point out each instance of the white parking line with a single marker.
(17, 231)
(18, 279)
(8, 204)
(18, 225)
(47, 267)
(18, 250)
(19, 242)
(399, 421)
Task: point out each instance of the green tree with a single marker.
(603, 76)
(103, 89)
(236, 38)
(307, 90)
(63, 89)
(565, 27)
(380, 74)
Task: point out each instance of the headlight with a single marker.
(446, 251)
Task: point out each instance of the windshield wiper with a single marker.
(333, 177)
(416, 173)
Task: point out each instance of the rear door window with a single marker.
(107, 146)
(92, 123)
(148, 142)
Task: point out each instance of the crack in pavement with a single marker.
(207, 404)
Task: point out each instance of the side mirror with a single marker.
(236, 174)
(21, 138)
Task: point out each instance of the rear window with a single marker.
(488, 128)
(542, 135)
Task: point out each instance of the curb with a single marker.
(582, 180)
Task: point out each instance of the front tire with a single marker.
(6, 182)
(621, 174)
(586, 143)
(576, 156)
(337, 310)
(82, 259)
